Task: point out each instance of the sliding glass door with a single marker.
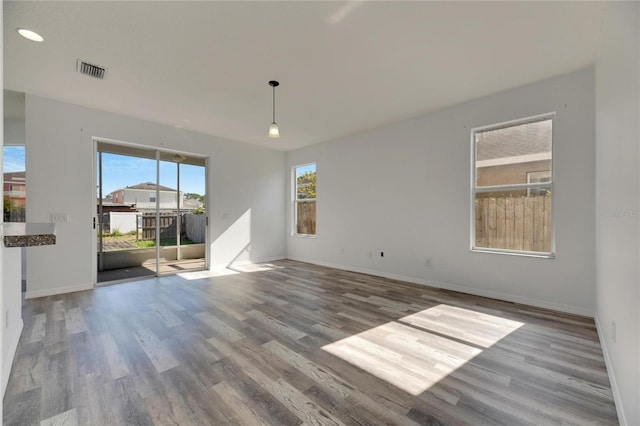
(150, 212)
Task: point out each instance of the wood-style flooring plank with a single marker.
(68, 418)
(38, 328)
(158, 354)
(289, 343)
(74, 320)
(117, 367)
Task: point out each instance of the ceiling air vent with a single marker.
(91, 70)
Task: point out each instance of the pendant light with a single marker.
(274, 132)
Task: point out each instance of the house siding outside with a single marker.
(144, 198)
(15, 188)
(509, 173)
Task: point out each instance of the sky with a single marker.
(13, 159)
(300, 170)
(119, 171)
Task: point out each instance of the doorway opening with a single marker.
(150, 212)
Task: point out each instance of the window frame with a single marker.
(15, 187)
(295, 200)
(528, 186)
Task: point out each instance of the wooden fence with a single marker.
(168, 226)
(306, 220)
(514, 222)
(194, 225)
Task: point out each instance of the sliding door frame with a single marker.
(97, 180)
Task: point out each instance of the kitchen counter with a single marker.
(20, 234)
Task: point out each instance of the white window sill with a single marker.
(515, 253)
(311, 236)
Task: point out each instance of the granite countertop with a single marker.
(19, 234)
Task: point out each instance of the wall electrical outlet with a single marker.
(427, 262)
(59, 217)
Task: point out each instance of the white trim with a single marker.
(147, 147)
(94, 216)
(157, 150)
(474, 190)
(525, 120)
(570, 309)
(513, 187)
(57, 290)
(541, 156)
(208, 205)
(540, 254)
(295, 201)
(8, 361)
(622, 418)
(311, 236)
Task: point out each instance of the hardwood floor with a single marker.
(296, 343)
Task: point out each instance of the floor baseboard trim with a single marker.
(454, 287)
(57, 290)
(8, 361)
(622, 418)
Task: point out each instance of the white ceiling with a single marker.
(344, 67)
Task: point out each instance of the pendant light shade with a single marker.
(274, 132)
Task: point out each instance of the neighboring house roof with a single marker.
(149, 185)
(516, 141)
(109, 206)
(14, 176)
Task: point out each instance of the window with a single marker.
(304, 196)
(152, 197)
(14, 190)
(537, 177)
(512, 187)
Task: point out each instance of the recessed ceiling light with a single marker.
(30, 35)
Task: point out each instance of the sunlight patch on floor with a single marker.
(463, 324)
(222, 271)
(417, 351)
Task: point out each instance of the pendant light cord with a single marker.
(274, 103)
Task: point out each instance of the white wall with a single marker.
(404, 189)
(618, 192)
(242, 178)
(13, 132)
(12, 309)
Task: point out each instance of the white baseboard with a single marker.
(8, 361)
(57, 290)
(455, 287)
(622, 418)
